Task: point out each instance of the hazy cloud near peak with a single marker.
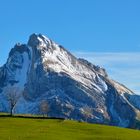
(123, 67)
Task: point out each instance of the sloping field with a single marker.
(55, 129)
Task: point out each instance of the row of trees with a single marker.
(13, 95)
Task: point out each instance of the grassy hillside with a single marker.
(55, 129)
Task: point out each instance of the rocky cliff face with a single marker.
(73, 88)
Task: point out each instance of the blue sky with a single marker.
(98, 27)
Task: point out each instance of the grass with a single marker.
(54, 129)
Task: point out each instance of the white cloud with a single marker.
(123, 67)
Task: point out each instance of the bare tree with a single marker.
(44, 107)
(87, 111)
(12, 97)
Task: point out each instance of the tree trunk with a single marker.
(11, 113)
(11, 110)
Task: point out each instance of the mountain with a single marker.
(73, 88)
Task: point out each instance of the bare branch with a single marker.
(44, 107)
(12, 97)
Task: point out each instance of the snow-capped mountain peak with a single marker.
(40, 41)
(44, 70)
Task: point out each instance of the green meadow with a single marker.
(54, 129)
